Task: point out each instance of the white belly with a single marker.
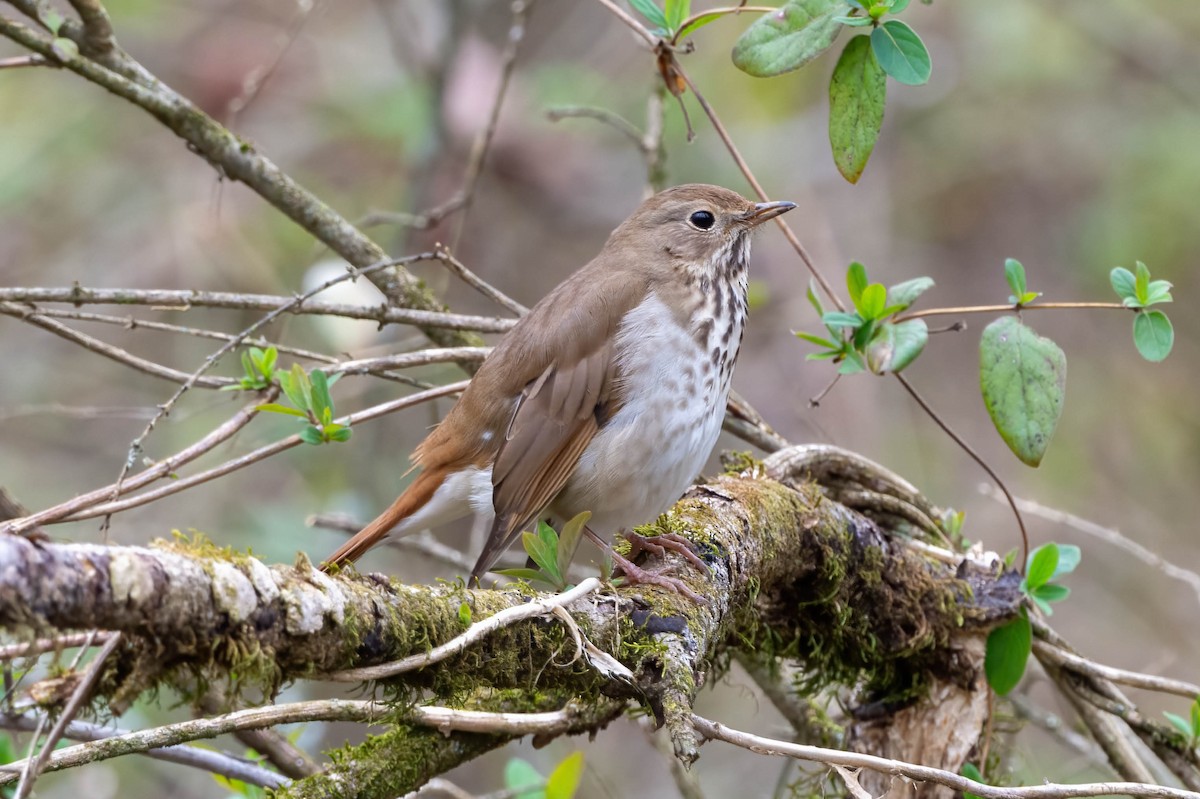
(654, 447)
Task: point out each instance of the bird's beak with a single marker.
(764, 211)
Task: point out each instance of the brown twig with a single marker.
(479, 284)
(975, 456)
(1040, 306)
(34, 766)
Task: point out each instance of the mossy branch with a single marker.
(791, 574)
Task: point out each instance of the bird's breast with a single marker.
(671, 385)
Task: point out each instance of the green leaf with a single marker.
(1007, 653)
(698, 23)
(274, 407)
(248, 366)
(1159, 291)
(1025, 298)
(1141, 283)
(1195, 713)
(52, 20)
(523, 573)
(856, 281)
(568, 541)
(854, 22)
(320, 394)
(811, 339)
(901, 52)
(857, 95)
(676, 12)
(1023, 379)
(1069, 556)
(341, 434)
(813, 300)
(1153, 335)
(650, 11)
(1180, 723)
(906, 293)
(523, 780)
(311, 435)
(852, 365)
(1014, 273)
(292, 383)
(874, 300)
(563, 782)
(1123, 282)
(898, 6)
(971, 772)
(1052, 592)
(895, 346)
(1042, 563)
(464, 614)
(789, 38)
(841, 319)
(537, 549)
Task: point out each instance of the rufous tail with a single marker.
(408, 503)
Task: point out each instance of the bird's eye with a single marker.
(703, 220)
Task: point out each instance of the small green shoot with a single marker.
(523, 781)
(867, 339)
(309, 393)
(1153, 334)
(971, 772)
(1189, 727)
(258, 370)
(551, 552)
(1008, 646)
(1014, 273)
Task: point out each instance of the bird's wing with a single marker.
(555, 419)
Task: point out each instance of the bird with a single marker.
(607, 396)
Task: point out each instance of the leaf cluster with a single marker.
(523, 781)
(1008, 646)
(551, 552)
(309, 395)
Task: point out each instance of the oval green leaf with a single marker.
(563, 782)
(1123, 283)
(1023, 378)
(857, 94)
(1153, 335)
(789, 38)
(906, 293)
(895, 346)
(1043, 562)
(901, 52)
(1007, 653)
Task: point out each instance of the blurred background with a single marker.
(1062, 135)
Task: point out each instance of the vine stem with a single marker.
(975, 456)
(1042, 306)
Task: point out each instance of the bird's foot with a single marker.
(658, 545)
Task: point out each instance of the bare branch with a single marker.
(1081, 665)
(912, 771)
(205, 759)
(182, 300)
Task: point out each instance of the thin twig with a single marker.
(1108, 534)
(1038, 306)
(32, 316)
(479, 284)
(158, 470)
(912, 771)
(31, 60)
(975, 456)
(262, 453)
(60, 642)
(182, 300)
(193, 756)
(442, 718)
(476, 632)
(479, 149)
(736, 154)
(82, 692)
(1137, 679)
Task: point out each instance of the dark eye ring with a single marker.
(703, 220)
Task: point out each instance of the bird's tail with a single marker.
(408, 503)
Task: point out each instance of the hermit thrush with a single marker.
(608, 396)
